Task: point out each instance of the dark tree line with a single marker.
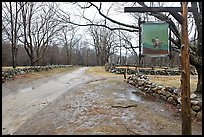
(81, 55)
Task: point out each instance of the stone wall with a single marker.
(12, 72)
(169, 94)
(113, 69)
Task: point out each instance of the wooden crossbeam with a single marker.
(172, 10)
(155, 9)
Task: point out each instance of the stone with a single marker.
(163, 97)
(22, 72)
(166, 93)
(171, 90)
(200, 104)
(159, 91)
(150, 92)
(136, 85)
(196, 108)
(172, 101)
(155, 90)
(177, 91)
(199, 116)
(160, 87)
(178, 106)
(175, 97)
(153, 85)
(167, 88)
(144, 84)
(149, 83)
(145, 89)
(140, 83)
(157, 95)
(193, 96)
(140, 88)
(193, 113)
(179, 99)
(194, 102)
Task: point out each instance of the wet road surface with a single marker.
(77, 103)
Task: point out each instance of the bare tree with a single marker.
(196, 55)
(11, 26)
(66, 18)
(6, 52)
(39, 26)
(69, 40)
(52, 55)
(103, 41)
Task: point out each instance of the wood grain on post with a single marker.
(185, 75)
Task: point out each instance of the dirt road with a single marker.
(81, 103)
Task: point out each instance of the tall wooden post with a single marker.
(139, 23)
(185, 75)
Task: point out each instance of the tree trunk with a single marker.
(32, 61)
(12, 38)
(38, 56)
(13, 56)
(196, 61)
(199, 84)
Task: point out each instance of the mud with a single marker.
(83, 104)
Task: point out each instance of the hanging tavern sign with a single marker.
(155, 39)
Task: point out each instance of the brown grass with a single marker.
(133, 68)
(51, 72)
(41, 74)
(173, 81)
(100, 70)
(7, 68)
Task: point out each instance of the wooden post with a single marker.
(139, 23)
(185, 75)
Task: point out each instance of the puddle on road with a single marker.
(25, 89)
(134, 97)
(129, 96)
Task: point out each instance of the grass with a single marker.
(41, 74)
(173, 81)
(133, 68)
(99, 70)
(51, 72)
(7, 68)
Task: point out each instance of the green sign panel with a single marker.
(154, 39)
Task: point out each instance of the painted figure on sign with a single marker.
(156, 43)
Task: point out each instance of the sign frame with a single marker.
(155, 47)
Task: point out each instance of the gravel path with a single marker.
(77, 103)
(21, 104)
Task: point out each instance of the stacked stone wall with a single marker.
(10, 73)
